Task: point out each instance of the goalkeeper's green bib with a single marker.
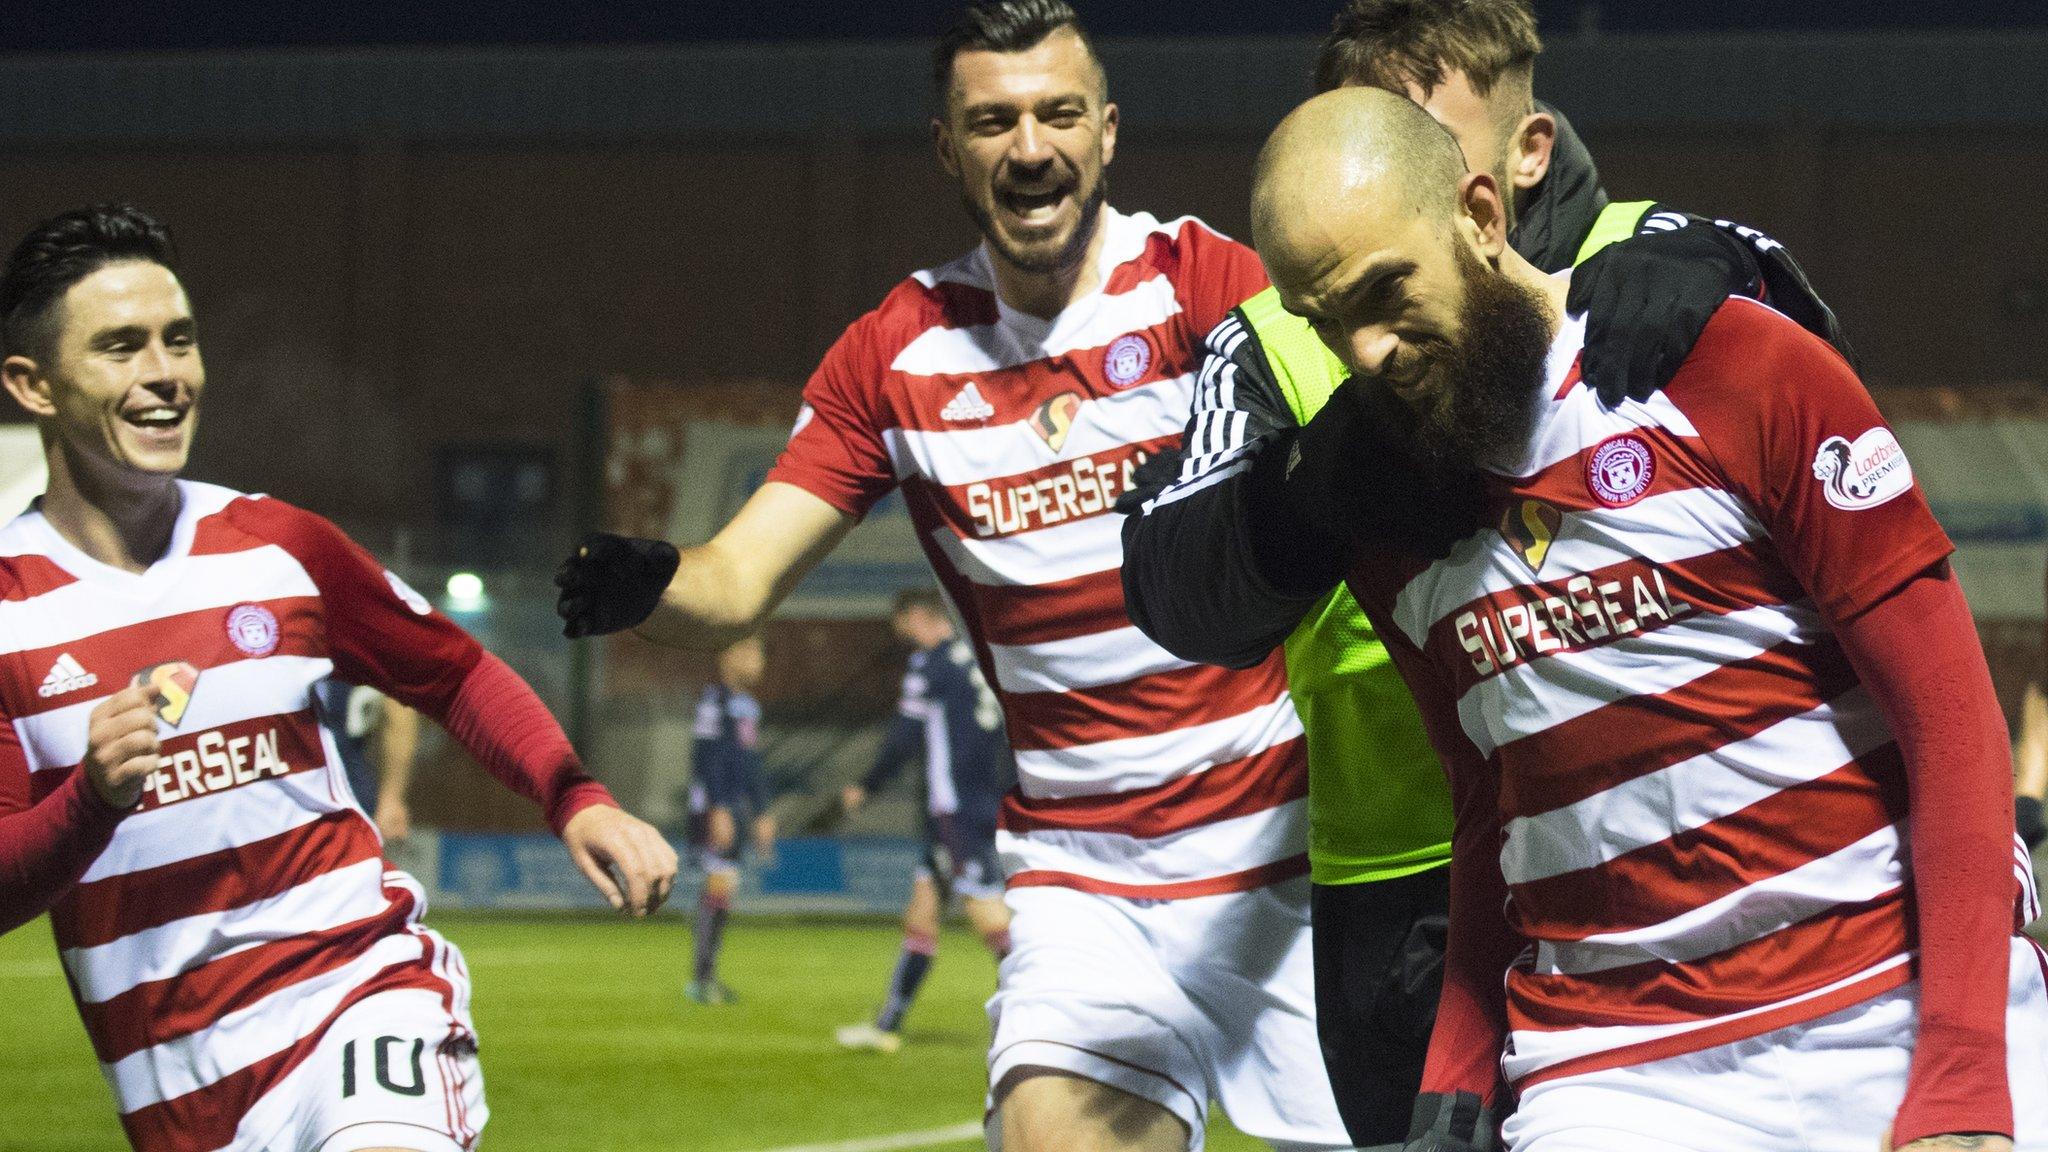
(1379, 807)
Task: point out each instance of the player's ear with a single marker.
(1109, 121)
(1482, 215)
(942, 142)
(27, 384)
(1530, 148)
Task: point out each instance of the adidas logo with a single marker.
(66, 675)
(968, 405)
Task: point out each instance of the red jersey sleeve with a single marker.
(837, 452)
(380, 632)
(1217, 274)
(383, 634)
(44, 847)
(1798, 437)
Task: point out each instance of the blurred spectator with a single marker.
(353, 714)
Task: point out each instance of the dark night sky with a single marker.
(141, 25)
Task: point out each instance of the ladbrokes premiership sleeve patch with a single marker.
(1864, 472)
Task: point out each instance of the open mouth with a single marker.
(1033, 207)
(158, 419)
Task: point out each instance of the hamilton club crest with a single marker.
(1620, 470)
(252, 628)
(1529, 527)
(1127, 360)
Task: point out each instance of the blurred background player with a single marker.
(252, 974)
(726, 794)
(378, 739)
(948, 717)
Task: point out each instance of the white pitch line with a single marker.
(930, 1138)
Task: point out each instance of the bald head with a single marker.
(1341, 151)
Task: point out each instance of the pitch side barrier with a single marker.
(530, 872)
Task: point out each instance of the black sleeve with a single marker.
(905, 737)
(1202, 574)
(1781, 282)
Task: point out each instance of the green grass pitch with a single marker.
(588, 1043)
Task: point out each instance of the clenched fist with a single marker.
(613, 583)
(121, 745)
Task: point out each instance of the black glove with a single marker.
(1351, 476)
(1648, 298)
(612, 583)
(1155, 475)
(1456, 1122)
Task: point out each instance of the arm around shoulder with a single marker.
(1194, 580)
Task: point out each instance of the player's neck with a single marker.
(118, 518)
(1047, 294)
(1547, 288)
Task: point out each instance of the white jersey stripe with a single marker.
(1669, 528)
(230, 819)
(957, 456)
(244, 690)
(1198, 853)
(1693, 793)
(943, 351)
(87, 608)
(1041, 556)
(241, 1038)
(1156, 758)
(1865, 870)
(345, 895)
(1091, 661)
(1231, 467)
(1540, 694)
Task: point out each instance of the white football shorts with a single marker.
(1179, 1002)
(395, 1071)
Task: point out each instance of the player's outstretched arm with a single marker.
(706, 597)
(383, 634)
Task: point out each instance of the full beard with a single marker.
(1479, 405)
(1043, 258)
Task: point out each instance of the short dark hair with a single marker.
(61, 251)
(1391, 44)
(1000, 26)
(918, 596)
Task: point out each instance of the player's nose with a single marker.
(1369, 350)
(1030, 146)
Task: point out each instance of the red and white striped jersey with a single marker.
(1140, 774)
(1701, 812)
(246, 903)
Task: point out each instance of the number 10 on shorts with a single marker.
(381, 1066)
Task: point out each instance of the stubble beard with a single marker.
(1480, 405)
(1038, 259)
